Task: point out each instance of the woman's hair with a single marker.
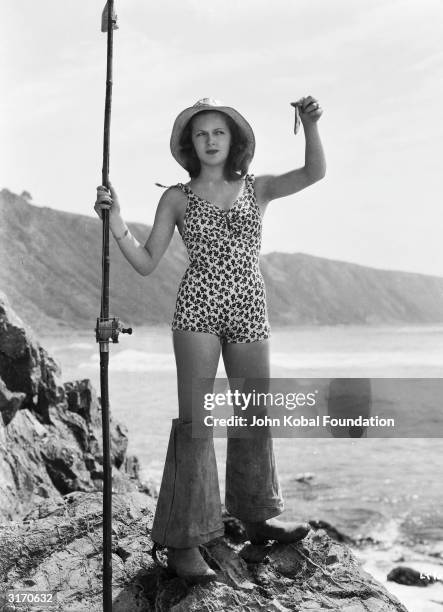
(236, 165)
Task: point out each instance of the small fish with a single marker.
(297, 123)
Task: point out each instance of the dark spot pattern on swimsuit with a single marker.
(222, 291)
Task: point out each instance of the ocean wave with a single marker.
(355, 359)
(131, 360)
(84, 346)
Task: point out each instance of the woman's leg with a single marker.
(253, 492)
(189, 507)
(196, 355)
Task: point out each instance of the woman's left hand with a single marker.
(309, 109)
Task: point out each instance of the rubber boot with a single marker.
(188, 508)
(253, 492)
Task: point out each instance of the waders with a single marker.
(107, 328)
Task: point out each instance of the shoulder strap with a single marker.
(250, 180)
(179, 185)
(183, 187)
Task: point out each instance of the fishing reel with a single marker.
(108, 329)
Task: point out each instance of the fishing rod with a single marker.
(107, 328)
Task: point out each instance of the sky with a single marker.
(376, 67)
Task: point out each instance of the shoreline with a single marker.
(378, 561)
(400, 327)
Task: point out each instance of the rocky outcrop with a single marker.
(58, 548)
(51, 471)
(50, 434)
(27, 371)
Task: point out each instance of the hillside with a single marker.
(50, 270)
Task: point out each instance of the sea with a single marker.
(387, 489)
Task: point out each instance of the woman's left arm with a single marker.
(271, 187)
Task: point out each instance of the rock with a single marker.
(332, 531)
(304, 477)
(10, 402)
(132, 469)
(82, 400)
(39, 460)
(25, 367)
(50, 434)
(59, 548)
(410, 577)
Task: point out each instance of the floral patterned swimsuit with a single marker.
(222, 291)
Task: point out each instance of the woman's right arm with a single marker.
(143, 258)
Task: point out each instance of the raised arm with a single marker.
(143, 258)
(271, 187)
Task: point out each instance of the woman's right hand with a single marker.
(106, 199)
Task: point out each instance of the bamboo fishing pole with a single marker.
(107, 327)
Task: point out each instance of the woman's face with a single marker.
(211, 138)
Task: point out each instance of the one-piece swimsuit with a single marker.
(222, 291)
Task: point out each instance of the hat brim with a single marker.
(185, 116)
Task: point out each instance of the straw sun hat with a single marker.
(207, 104)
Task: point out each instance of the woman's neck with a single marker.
(211, 176)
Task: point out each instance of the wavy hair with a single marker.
(236, 165)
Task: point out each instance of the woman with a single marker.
(220, 309)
